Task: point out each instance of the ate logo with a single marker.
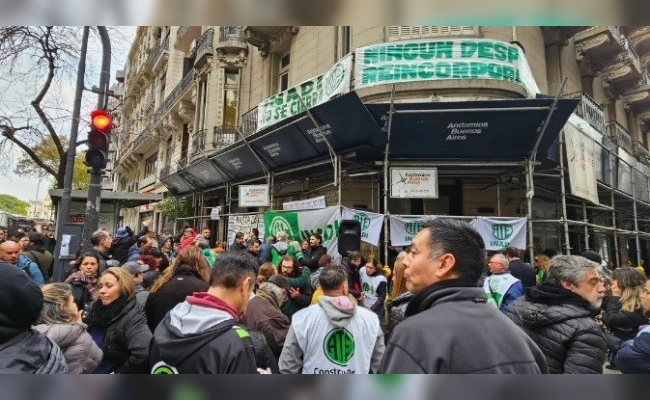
(412, 228)
(339, 346)
(280, 224)
(502, 231)
(363, 219)
(334, 79)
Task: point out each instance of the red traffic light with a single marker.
(101, 120)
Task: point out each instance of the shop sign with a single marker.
(312, 92)
(254, 196)
(414, 183)
(425, 60)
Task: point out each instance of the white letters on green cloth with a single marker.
(496, 287)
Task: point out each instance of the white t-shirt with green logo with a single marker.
(369, 285)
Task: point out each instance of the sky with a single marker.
(28, 188)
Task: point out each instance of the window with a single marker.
(283, 81)
(150, 165)
(231, 99)
(345, 41)
(419, 32)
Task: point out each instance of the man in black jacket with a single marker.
(455, 330)
(315, 251)
(558, 313)
(519, 269)
(202, 335)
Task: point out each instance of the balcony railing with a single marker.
(223, 136)
(231, 34)
(249, 122)
(198, 141)
(157, 53)
(174, 95)
(641, 153)
(632, 54)
(141, 137)
(623, 137)
(616, 33)
(204, 47)
(593, 113)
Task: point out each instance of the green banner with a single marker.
(407, 61)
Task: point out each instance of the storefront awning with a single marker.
(475, 130)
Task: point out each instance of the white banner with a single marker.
(299, 225)
(404, 228)
(582, 160)
(503, 232)
(309, 204)
(414, 183)
(371, 224)
(254, 196)
(241, 223)
(313, 92)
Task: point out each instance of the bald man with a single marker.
(10, 252)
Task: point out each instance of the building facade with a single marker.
(208, 109)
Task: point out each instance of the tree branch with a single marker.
(10, 133)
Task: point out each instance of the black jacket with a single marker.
(396, 311)
(623, 324)
(310, 260)
(120, 247)
(126, 340)
(523, 271)
(199, 340)
(183, 284)
(561, 324)
(457, 332)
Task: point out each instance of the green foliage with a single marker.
(13, 205)
(172, 208)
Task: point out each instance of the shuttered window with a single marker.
(419, 32)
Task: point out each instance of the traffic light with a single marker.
(349, 236)
(101, 124)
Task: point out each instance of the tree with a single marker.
(46, 151)
(13, 205)
(38, 68)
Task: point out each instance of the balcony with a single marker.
(198, 142)
(176, 94)
(223, 136)
(621, 135)
(204, 48)
(158, 58)
(640, 38)
(185, 36)
(232, 49)
(590, 111)
(249, 122)
(639, 98)
(142, 138)
(274, 39)
(148, 180)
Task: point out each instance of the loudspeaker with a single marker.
(349, 236)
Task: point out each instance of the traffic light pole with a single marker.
(63, 211)
(91, 222)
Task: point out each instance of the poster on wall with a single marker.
(371, 224)
(243, 224)
(299, 225)
(414, 183)
(582, 160)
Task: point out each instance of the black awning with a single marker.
(479, 130)
(205, 174)
(176, 184)
(344, 123)
(238, 162)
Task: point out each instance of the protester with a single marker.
(399, 298)
(449, 326)
(10, 252)
(501, 288)
(374, 286)
(558, 314)
(315, 251)
(60, 320)
(83, 281)
(38, 252)
(541, 267)
(118, 325)
(300, 291)
(519, 269)
(24, 350)
(634, 356)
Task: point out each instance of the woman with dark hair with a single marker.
(118, 325)
(373, 285)
(83, 280)
(60, 321)
(623, 311)
(189, 273)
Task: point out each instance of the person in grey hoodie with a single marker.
(334, 336)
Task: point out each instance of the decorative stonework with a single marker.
(186, 111)
(232, 59)
(269, 38)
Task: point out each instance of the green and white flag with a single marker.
(371, 224)
(502, 232)
(299, 225)
(404, 228)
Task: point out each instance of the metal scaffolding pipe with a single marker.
(584, 217)
(464, 110)
(391, 112)
(567, 244)
(636, 225)
(498, 198)
(530, 192)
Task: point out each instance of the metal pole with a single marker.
(63, 211)
(565, 223)
(617, 256)
(530, 192)
(391, 112)
(498, 197)
(95, 189)
(338, 178)
(584, 217)
(636, 222)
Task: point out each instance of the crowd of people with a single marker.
(154, 303)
